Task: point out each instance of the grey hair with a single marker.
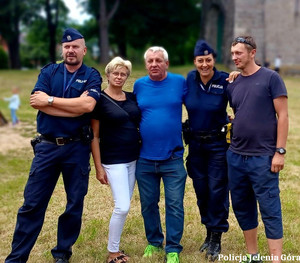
(157, 49)
(118, 62)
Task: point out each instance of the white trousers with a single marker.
(121, 178)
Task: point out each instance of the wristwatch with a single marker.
(281, 150)
(50, 100)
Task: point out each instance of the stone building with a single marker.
(274, 24)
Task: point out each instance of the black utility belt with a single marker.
(59, 140)
(207, 136)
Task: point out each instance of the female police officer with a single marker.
(63, 147)
(206, 103)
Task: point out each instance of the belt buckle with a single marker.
(60, 141)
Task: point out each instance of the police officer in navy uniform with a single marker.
(206, 103)
(63, 94)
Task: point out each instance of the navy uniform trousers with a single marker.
(207, 166)
(72, 160)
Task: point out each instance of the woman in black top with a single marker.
(115, 147)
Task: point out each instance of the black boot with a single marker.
(206, 241)
(214, 247)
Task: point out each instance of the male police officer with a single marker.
(62, 94)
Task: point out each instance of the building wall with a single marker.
(210, 10)
(249, 20)
(283, 30)
(274, 24)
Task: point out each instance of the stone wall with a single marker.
(283, 30)
(274, 24)
(249, 20)
(212, 8)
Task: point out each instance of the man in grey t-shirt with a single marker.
(256, 155)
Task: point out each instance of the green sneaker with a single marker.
(150, 250)
(251, 259)
(172, 257)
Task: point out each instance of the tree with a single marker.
(3, 59)
(137, 24)
(14, 14)
(52, 12)
(172, 24)
(55, 11)
(104, 18)
(103, 12)
(10, 17)
(35, 51)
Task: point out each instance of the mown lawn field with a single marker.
(91, 244)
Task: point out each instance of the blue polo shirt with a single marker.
(206, 104)
(160, 103)
(51, 81)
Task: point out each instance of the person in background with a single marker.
(277, 64)
(14, 104)
(206, 102)
(63, 147)
(115, 122)
(266, 63)
(160, 97)
(255, 157)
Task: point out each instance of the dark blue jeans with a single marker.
(149, 174)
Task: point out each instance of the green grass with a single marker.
(92, 242)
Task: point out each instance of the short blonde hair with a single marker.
(116, 63)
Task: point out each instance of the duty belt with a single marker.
(208, 135)
(59, 140)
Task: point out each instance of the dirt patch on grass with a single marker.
(11, 138)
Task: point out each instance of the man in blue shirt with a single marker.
(160, 97)
(255, 157)
(63, 94)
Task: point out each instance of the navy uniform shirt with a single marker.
(51, 81)
(206, 104)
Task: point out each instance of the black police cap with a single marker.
(71, 34)
(202, 49)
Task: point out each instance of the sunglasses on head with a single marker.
(244, 41)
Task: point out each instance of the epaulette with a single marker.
(98, 73)
(96, 70)
(46, 66)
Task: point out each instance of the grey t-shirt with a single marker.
(255, 122)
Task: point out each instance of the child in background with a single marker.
(14, 104)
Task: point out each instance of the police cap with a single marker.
(71, 34)
(202, 49)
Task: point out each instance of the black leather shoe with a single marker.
(206, 241)
(214, 246)
(61, 260)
